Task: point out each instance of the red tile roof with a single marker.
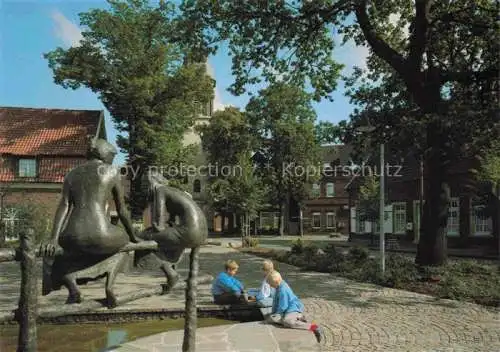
(33, 131)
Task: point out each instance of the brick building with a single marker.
(38, 147)
(403, 195)
(328, 208)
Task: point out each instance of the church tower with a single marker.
(197, 185)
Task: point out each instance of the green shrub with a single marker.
(453, 287)
(250, 242)
(297, 247)
(330, 250)
(310, 256)
(34, 216)
(359, 254)
(296, 260)
(468, 280)
(471, 267)
(399, 271)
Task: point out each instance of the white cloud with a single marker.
(218, 105)
(67, 31)
(350, 54)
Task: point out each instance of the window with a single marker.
(453, 228)
(316, 190)
(482, 225)
(269, 220)
(330, 220)
(316, 220)
(330, 189)
(360, 224)
(11, 219)
(196, 186)
(399, 214)
(27, 168)
(387, 214)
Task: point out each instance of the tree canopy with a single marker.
(229, 143)
(146, 79)
(283, 118)
(430, 83)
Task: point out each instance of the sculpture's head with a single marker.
(102, 150)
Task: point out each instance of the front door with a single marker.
(218, 223)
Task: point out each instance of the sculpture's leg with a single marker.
(74, 295)
(111, 300)
(171, 275)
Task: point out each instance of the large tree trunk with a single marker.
(432, 247)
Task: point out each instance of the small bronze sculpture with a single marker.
(173, 237)
(91, 243)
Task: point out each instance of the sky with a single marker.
(28, 29)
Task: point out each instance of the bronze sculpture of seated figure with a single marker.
(173, 237)
(83, 229)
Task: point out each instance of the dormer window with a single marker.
(27, 168)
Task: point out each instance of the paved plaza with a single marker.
(355, 316)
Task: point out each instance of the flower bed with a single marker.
(466, 280)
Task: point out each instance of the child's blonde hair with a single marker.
(274, 277)
(268, 265)
(231, 264)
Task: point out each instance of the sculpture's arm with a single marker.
(122, 211)
(61, 213)
(159, 209)
(60, 221)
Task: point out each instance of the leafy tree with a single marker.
(490, 172)
(283, 118)
(151, 83)
(369, 200)
(31, 215)
(433, 87)
(229, 142)
(305, 155)
(330, 133)
(490, 169)
(4, 191)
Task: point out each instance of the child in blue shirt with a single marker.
(226, 289)
(265, 294)
(287, 308)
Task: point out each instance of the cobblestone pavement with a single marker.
(420, 324)
(359, 316)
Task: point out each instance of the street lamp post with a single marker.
(369, 129)
(382, 208)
